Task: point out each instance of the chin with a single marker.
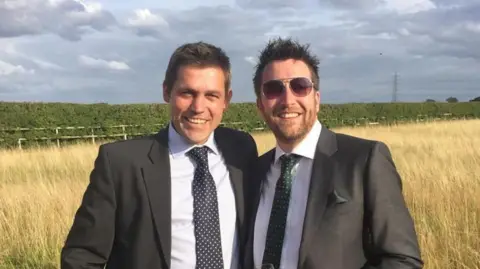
(197, 137)
(288, 133)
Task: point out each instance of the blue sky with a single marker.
(116, 51)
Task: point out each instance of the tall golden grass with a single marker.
(40, 190)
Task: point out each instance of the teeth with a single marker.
(288, 115)
(196, 121)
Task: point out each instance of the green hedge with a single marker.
(152, 116)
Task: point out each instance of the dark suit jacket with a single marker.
(356, 216)
(124, 218)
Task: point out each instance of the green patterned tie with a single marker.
(278, 216)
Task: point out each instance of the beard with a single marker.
(290, 131)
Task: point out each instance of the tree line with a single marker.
(242, 116)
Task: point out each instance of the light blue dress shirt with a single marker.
(182, 170)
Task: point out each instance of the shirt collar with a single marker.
(306, 148)
(179, 146)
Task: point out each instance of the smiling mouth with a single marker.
(290, 115)
(195, 120)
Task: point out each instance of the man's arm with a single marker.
(90, 239)
(251, 190)
(251, 184)
(389, 225)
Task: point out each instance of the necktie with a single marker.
(205, 213)
(278, 216)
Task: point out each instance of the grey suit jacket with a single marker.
(356, 216)
(124, 218)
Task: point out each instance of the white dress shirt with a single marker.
(182, 170)
(298, 201)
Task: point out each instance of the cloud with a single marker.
(401, 6)
(353, 5)
(432, 45)
(145, 18)
(231, 28)
(251, 60)
(409, 6)
(69, 19)
(420, 34)
(102, 64)
(144, 23)
(12, 51)
(7, 69)
(271, 4)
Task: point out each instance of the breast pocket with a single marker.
(339, 206)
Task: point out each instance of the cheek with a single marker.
(180, 105)
(216, 110)
(268, 106)
(308, 105)
(215, 106)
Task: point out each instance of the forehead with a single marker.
(285, 69)
(201, 77)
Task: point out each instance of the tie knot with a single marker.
(199, 155)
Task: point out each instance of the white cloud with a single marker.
(251, 60)
(474, 27)
(70, 19)
(143, 22)
(409, 6)
(145, 18)
(46, 64)
(102, 64)
(11, 50)
(7, 69)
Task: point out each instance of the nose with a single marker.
(198, 104)
(287, 97)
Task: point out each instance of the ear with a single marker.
(317, 101)
(228, 98)
(260, 107)
(259, 103)
(166, 95)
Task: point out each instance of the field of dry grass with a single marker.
(439, 162)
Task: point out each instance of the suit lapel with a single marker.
(264, 165)
(321, 185)
(157, 180)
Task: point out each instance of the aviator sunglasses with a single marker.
(300, 86)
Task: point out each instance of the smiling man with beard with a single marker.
(325, 200)
(176, 199)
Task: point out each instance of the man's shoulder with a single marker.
(236, 136)
(355, 146)
(129, 149)
(135, 142)
(348, 141)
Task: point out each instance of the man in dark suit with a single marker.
(325, 200)
(176, 199)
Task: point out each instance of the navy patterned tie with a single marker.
(278, 216)
(205, 213)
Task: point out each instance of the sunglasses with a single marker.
(300, 86)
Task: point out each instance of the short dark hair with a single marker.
(199, 54)
(283, 49)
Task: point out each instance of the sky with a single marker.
(116, 51)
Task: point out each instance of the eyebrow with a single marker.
(210, 91)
